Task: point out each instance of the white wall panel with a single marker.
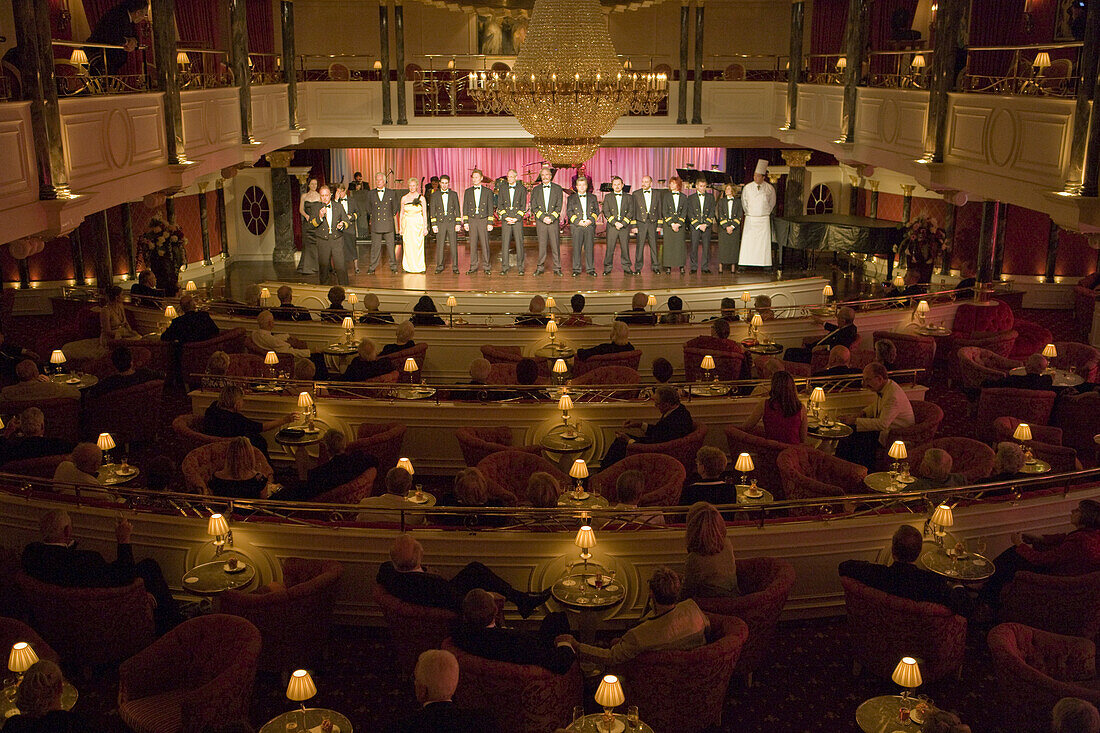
(113, 137)
(19, 184)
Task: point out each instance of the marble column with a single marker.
(170, 209)
(1052, 251)
(853, 196)
(282, 207)
(999, 243)
(1087, 73)
(104, 263)
(906, 202)
(238, 55)
(855, 44)
(794, 194)
(223, 228)
(942, 78)
(128, 238)
(794, 69)
(682, 102)
(987, 242)
(949, 238)
(384, 47)
(24, 273)
(204, 222)
(697, 87)
(32, 31)
(78, 257)
(286, 16)
(164, 57)
(1092, 153)
(399, 40)
(873, 213)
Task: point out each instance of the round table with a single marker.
(82, 382)
(709, 390)
(413, 392)
(1061, 377)
(339, 356)
(756, 347)
(829, 435)
(969, 567)
(575, 592)
(590, 501)
(297, 440)
(69, 696)
(556, 350)
(211, 578)
(588, 724)
(564, 450)
(313, 717)
(428, 498)
(112, 474)
(885, 482)
(1036, 467)
(880, 715)
(743, 498)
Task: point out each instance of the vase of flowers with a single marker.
(163, 248)
(921, 246)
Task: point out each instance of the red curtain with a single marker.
(197, 22)
(261, 26)
(828, 20)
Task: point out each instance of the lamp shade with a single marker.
(942, 516)
(105, 442)
(579, 469)
(377, 65)
(21, 657)
(301, 687)
(907, 673)
(347, 324)
(305, 399)
(216, 526)
(406, 464)
(1022, 432)
(550, 302)
(57, 357)
(353, 298)
(410, 365)
(1049, 351)
(744, 463)
(923, 307)
(79, 57)
(842, 62)
(560, 367)
(271, 359)
(264, 293)
(757, 321)
(585, 539)
(566, 402)
(708, 362)
(817, 397)
(652, 301)
(1042, 60)
(190, 286)
(897, 451)
(170, 311)
(918, 62)
(551, 326)
(451, 302)
(182, 58)
(899, 281)
(610, 692)
(745, 297)
(827, 291)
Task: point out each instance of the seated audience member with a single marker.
(191, 325)
(768, 369)
(57, 561)
(223, 419)
(471, 489)
(477, 633)
(577, 317)
(839, 364)
(366, 365)
(371, 312)
(913, 285)
(160, 473)
(903, 578)
(718, 341)
(1008, 461)
(711, 568)
(542, 490)
(217, 365)
(886, 353)
(620, 342)
(35, 387)
(38, 700)
(436, 679)
(842, 334)
(728, 311)
(146, 285)
(935, 471)
(675, 422)
(403, 339)
(286, 310)
(784, 417)
(527, 372)
(671, 625)
(82, 467)
(1034, 376)
(335, 312)
(11, 355)
(480, 370)
(637, 313)
(942, 721)
(535, 315)
(341, 467)
(662, 370)
(29, 441)
(403, 576)
(1074, 715)
(762, 304)
(127, 376)
(676, 311)
(424, 313)
(238, 478)
(629, 487)
(890, 409)
(280, 343)
(710, 464)
(398, 484)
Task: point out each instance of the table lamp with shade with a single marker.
(586, 540)
(745, 298)
(560, 370)
(707, 365)
(842, 63)
(651, 302)
(907, 676)
(579, 471)
(552, 329)
(900, 466)
(299, 689)
(918, 64)
(817, 401)
(265, 295)
(79, 58)
(218, 528)
(744, 466)
(57, 359)
(183, 60)
(1050, 351)
(406, 464)
(755, 324)
(1022, 433)
(20, 659)
(609, 695)
(106, 444)
(826, 293)
(1042, 61)
(899, 281)
(353, 300)
(942, 518)
(550, 302)
(411, 369)
(451, 303)
(309, 409)
(271, 359)
(349, 329)
(190, 286)
(169, 315)
(565, 404)
(922, 311)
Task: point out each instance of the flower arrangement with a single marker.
(163, 248)
(921, 245)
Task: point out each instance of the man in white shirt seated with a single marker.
(82, 469)
(889, 410)
(398, 484)
(283, 343)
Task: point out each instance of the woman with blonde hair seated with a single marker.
(711, 567)
(471, 489)
(39, 701)
(238, 478)
(620, 342)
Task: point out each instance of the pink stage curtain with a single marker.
(628, 163)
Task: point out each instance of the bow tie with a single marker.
(546, 186)
(477, 188)
(511, 185)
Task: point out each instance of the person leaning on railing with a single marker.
(116, 27)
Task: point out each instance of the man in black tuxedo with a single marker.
(477, 208)
(618, 212)
(675, 422)
(351, 249)
(445, 218)
(511, 205)
(700, 207)
(478, 634)
(57, 561)
(647, 211)
(582, 211)
(382, 206)
(436, 679)
(190, 325)
(116, 27)
(329, 220)
(546, 205)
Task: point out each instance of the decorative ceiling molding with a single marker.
(522, 8)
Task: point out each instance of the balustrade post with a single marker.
(223, 233)
(1052, 251)
(794, 65)
(682, 101)
(204, 222)
(384, 49)
(853, 196)
(949, 237)
(999, 244)
(282, 207)
(78, 257)
(794, 192)
(1087, 71)
(855, 51)
(987, 242)
(24, 273)
(170, 209)
(697, 87)
(873, 213)
(128, 238)
(399, 39)
(942, 81)
(164, 56)
(906, 202)
(286, 16)
(238, 55)
(104, 263)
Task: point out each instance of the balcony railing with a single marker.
(201, 68)
(339, 67)
(266, 68)
(899, 69)
(84, 72)
(1039, 70)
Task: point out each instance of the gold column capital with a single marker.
(279, 158)
(907, 189)
(796, 158)
(874, 184)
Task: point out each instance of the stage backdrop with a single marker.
(629, 163)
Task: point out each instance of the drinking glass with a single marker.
(632, 716)
(1073, 369)
(982, 546)
(578, 715)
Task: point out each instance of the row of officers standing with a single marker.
(683, 220)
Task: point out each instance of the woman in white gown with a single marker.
(414, 227)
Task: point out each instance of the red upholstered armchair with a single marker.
(1030, 338)
(976, 366)
(193, 356)
(1046, 444)
(199, 465)
(413, 629)
(509, 470)
(90, 625)
(476, 443)
(104, 367)
(419, 353)
(530, 698)
(252, 365)
(1084, 304)
(1032, 406)
(510, 355)
(914, 351)
(661, 682)
(304, 602)
(808, 473)
(1078, 415)
(1061, 604)
(664, 479)
(13, 631)
(971, 458)
(115, 413)
(381, 440)
(764, 583)
(883, 628)
(196, 677)
(927, 417)
(764, 454)
(624, 358)
(42, 467)
(727, 364)
(1075, 354)
(988, 325)
(682, 449)
(1035, 669)
(62, 415)
(158, 354)
(608, 375)
(353, 491)
(502, 373)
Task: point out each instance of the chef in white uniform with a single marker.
(758, 200)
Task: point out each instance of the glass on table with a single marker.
(981, 545)
(632, 718)
(578, 715)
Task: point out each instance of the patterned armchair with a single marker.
(477, 443)
(131, 415)
(62, 415)
(1032, 406)
(158, 354)
(13, 631)
(1084, 304)
(104, 367)
(808, 473)
(819, 356)
(608, 375)
(196, 677)
(764, 454)
(914, 351)
(972, 458)
(502, 373)
(883, 628)
(507, 472)
(304, 602)
(530, 698)
(727, 364)
(418, 353)
(511, 355)
(927, 417)
(42, 467)
(764, 583)
(1082, 356)
(1079, 417)
(1061, 604)
(193, 356)
(624, 358)
(682, 449)
(381, 440)
(252, 365)
(413, 629)
(199, 465)
(976, 366)
(1030, 338)
(89, 626)
(1035, 669)
(664, 479)
(353, 491)
(189, 429)
(661, 682)
(1046, 443)
(986, 325)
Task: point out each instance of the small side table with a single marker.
(574, 593)
(82, 382)
(590, 501)
(1035, 468)
(563, 450)
(425, 499)
(589, 724)
(308, 721)
(69, 696)
(885, 482)
(211, 578)
(113, 474)
(554, 351)
(339, 356)
(297, 441)
(967, 568)
(830, 435)
(882, 715)
(743, 498)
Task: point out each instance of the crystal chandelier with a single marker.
(567, 88)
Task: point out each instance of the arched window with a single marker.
(255, 210)
(821, 200)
